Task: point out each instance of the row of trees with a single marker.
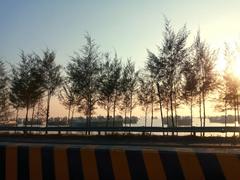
(178, 74)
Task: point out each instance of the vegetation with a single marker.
(4, 94)
(27, 82)
(83, 71)
(179, 74)
(51, 76)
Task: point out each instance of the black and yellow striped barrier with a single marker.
(63, 163)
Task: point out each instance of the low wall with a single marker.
(62, 163)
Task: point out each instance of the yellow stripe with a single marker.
(35, 163)
(61, 163)
(89, 164)
(190, 166)
(120, 165)
(11, 163)
(153, 165)
(230, 165)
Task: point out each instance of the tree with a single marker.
(167, 67)
(189, 86)
(40, 111)
(68, 98)
(174, 54)
(52, 77)
(146, 95)
(109, 85)
(207, 80)
(83, 72)
(156, 68)
(4, 93)
(27, 82)
(228, 90)
(129, 85)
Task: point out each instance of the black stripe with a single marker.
(2, 162)
(104, 164)
(74, 163)
(171, 165)
(136, 164)
(48, 163)
(210, 166)
(23, 163)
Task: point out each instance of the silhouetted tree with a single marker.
(52, 77)
(129, 85)
(173, 53)
(83, 72)
(189, 86)
(40, 114)
(167, 67)
(27, 82)
(229, 90)
(146, 95)
(109, 91)
(68, 98)
(4, 93)
(205, 62)
(156, 67)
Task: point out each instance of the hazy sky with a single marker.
(127, 26)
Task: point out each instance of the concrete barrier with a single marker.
(63, 163)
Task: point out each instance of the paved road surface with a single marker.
(225, 145)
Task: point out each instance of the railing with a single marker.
(125, 129)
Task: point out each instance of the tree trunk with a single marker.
(72, 116)
(160, 104)
(145, 119)
(204, 112)
(235, 118)
(152, 114)
(125, 115)
(69, 111)
(200, 111)
(108, 111)
(26, 118)
(235, 114)
(108, 116)
(114, 112)
(175, 109)
(130, 113)
(89, 113)
(33, 111)
(17, 112)
(86, 123)
(48, 107)
(90, 119)
(238, 110)
(171, 108)
(225, 117)
(167, 115)
(146, 116)
(191, 110)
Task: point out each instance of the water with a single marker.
(196, 122)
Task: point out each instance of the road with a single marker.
(188, 143)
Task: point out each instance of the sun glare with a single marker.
(234, 66)
(221, 62)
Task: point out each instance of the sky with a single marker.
(127, 27)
